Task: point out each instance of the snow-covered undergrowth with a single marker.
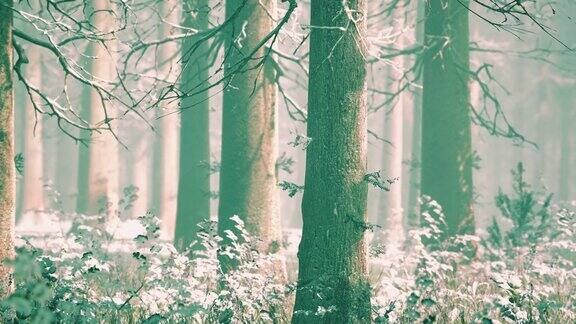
(525, 274)
(89, 276)
(469, 279)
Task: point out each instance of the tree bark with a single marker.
(446, 135)
(7, 180)
(332, 252)
(248, 185)
(194, 178)
(97, 174)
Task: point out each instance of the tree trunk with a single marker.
(139, 155)
(413, 210)
(395, 124)
(446, 135)
(165, 169)
(97, 174)
(565, 115)
(194, 178)
(332, 252)
(7, 180)
(33, 191)
(67, 154)
(248, 185)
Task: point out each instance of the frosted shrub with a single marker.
(90, 278)
(524, 275)
(521, 273)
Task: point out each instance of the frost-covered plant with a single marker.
(456, 279)
(93, 277)
(99, 273)
(540, 232)
(527, 210)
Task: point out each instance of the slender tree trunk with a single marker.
(543, 114)
(139, 155)
(446, 135)
(33, 191)
(395, 216)
(67, 154)
(165, 168)
(248, 185)
(97, 174)
(7, 180)
(413, 209)
(194, 178)
(395, 220)
(565, 115)
(332, 253)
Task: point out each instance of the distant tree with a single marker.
(194, 178)
(413, 210)
(566, 147)
(98, 159)
(165, 160)
(248, 185)
(394, 222)
(332, 277)
(565, 96)
(139, 163)
(33, 186)
(446, 168)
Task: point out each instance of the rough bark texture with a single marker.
(165, 167)
(249, 139)
(332, 252)
(7, 180)
(446, 136)
(33, 191)
(97, 174)
(194, 178)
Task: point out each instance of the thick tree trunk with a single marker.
(446, 135)
(332, 253)
(194, 178)
(7, 180)
(165, 162)
(97, 174)
(248, 185)
(33, 191)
